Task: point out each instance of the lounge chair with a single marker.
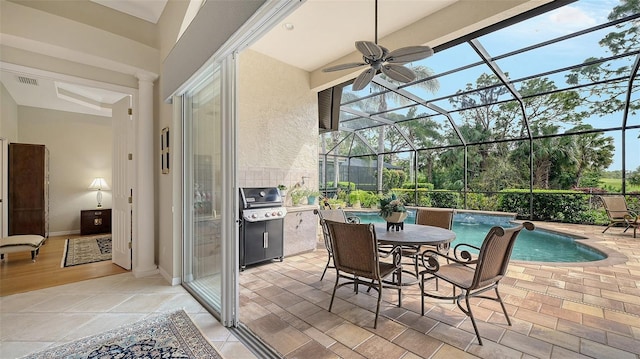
(619, 213)
(474, 275)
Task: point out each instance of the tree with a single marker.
(592, 152)
(606, 98)
(634, 177)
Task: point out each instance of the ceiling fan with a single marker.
(380, 59)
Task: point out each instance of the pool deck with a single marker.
(558, 310)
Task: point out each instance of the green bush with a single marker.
(481, 202)
(548, 205)
(445, 199)
(411, 185)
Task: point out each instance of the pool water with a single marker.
(538, 245)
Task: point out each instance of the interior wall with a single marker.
(168, 250)
(80, 149)
(278, 124)
(8, 132)
(8, 115)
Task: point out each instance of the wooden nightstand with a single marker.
(94, 221)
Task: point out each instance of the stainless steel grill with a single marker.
(261, 226)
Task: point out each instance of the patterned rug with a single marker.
(169, 335)
(84, 250)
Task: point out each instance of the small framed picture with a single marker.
(164, 150)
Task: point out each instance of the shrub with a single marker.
(548, 205)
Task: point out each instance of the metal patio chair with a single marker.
(336, 215)
(437, 217)
(474, 275)
(356, 258)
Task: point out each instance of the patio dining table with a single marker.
(415, 235)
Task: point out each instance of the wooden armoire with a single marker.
(28, 186)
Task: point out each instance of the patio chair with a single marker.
(356, 257)
(437, 217)
(336, 215)
(474, 275)
(619, 213)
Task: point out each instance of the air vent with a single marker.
(27, 81)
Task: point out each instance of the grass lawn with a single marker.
(615, 184)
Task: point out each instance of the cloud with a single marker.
(570, 18)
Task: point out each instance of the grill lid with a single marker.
(260, 197)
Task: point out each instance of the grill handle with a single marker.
(265, 240)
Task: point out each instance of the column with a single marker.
(143, 198)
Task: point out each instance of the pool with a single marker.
(538, 245)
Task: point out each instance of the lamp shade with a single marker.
(98, 184)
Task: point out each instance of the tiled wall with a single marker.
(272, 177)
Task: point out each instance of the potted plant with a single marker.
(392, 209)
(312, 196)
(283, 190)
(297, 195)
(356, 197)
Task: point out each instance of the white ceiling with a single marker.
(323, 31)
(149, 10)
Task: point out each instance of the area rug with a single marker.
(84, 250)
(169, 335)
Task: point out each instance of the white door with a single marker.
(121, 212)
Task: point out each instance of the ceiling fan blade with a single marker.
(398, 72)
(349, 65)
(363, 79)
(409, 54)
(369, 49)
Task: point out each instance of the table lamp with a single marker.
(99, 184)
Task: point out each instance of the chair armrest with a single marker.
(353, 219)
(464, 255)
(631, 217)
(429, 260)
(395, 253)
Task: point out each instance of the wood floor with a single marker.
(19, 274)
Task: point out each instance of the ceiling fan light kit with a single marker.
(380, 59)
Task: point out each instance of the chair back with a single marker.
(335, 215)
(438, 217)
(355, 248)
(616, 207)
(495, 254)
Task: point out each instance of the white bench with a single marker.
(21, 243)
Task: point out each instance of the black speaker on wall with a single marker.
(329, 108)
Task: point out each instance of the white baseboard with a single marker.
(172, 280)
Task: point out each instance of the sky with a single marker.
(566, 20)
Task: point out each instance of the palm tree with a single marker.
(431, 85)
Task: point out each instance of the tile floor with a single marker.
(558, 311)
(33, 321)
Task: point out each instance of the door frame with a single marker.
(129, 91)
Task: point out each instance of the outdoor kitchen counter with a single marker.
(300, 230)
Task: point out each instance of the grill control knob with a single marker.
(266, 214)
(254, 215)
(279, 213)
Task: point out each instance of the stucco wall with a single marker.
(278, 129)
(80, 149)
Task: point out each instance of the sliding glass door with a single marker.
(203, 187)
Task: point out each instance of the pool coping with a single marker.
(614, 257)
